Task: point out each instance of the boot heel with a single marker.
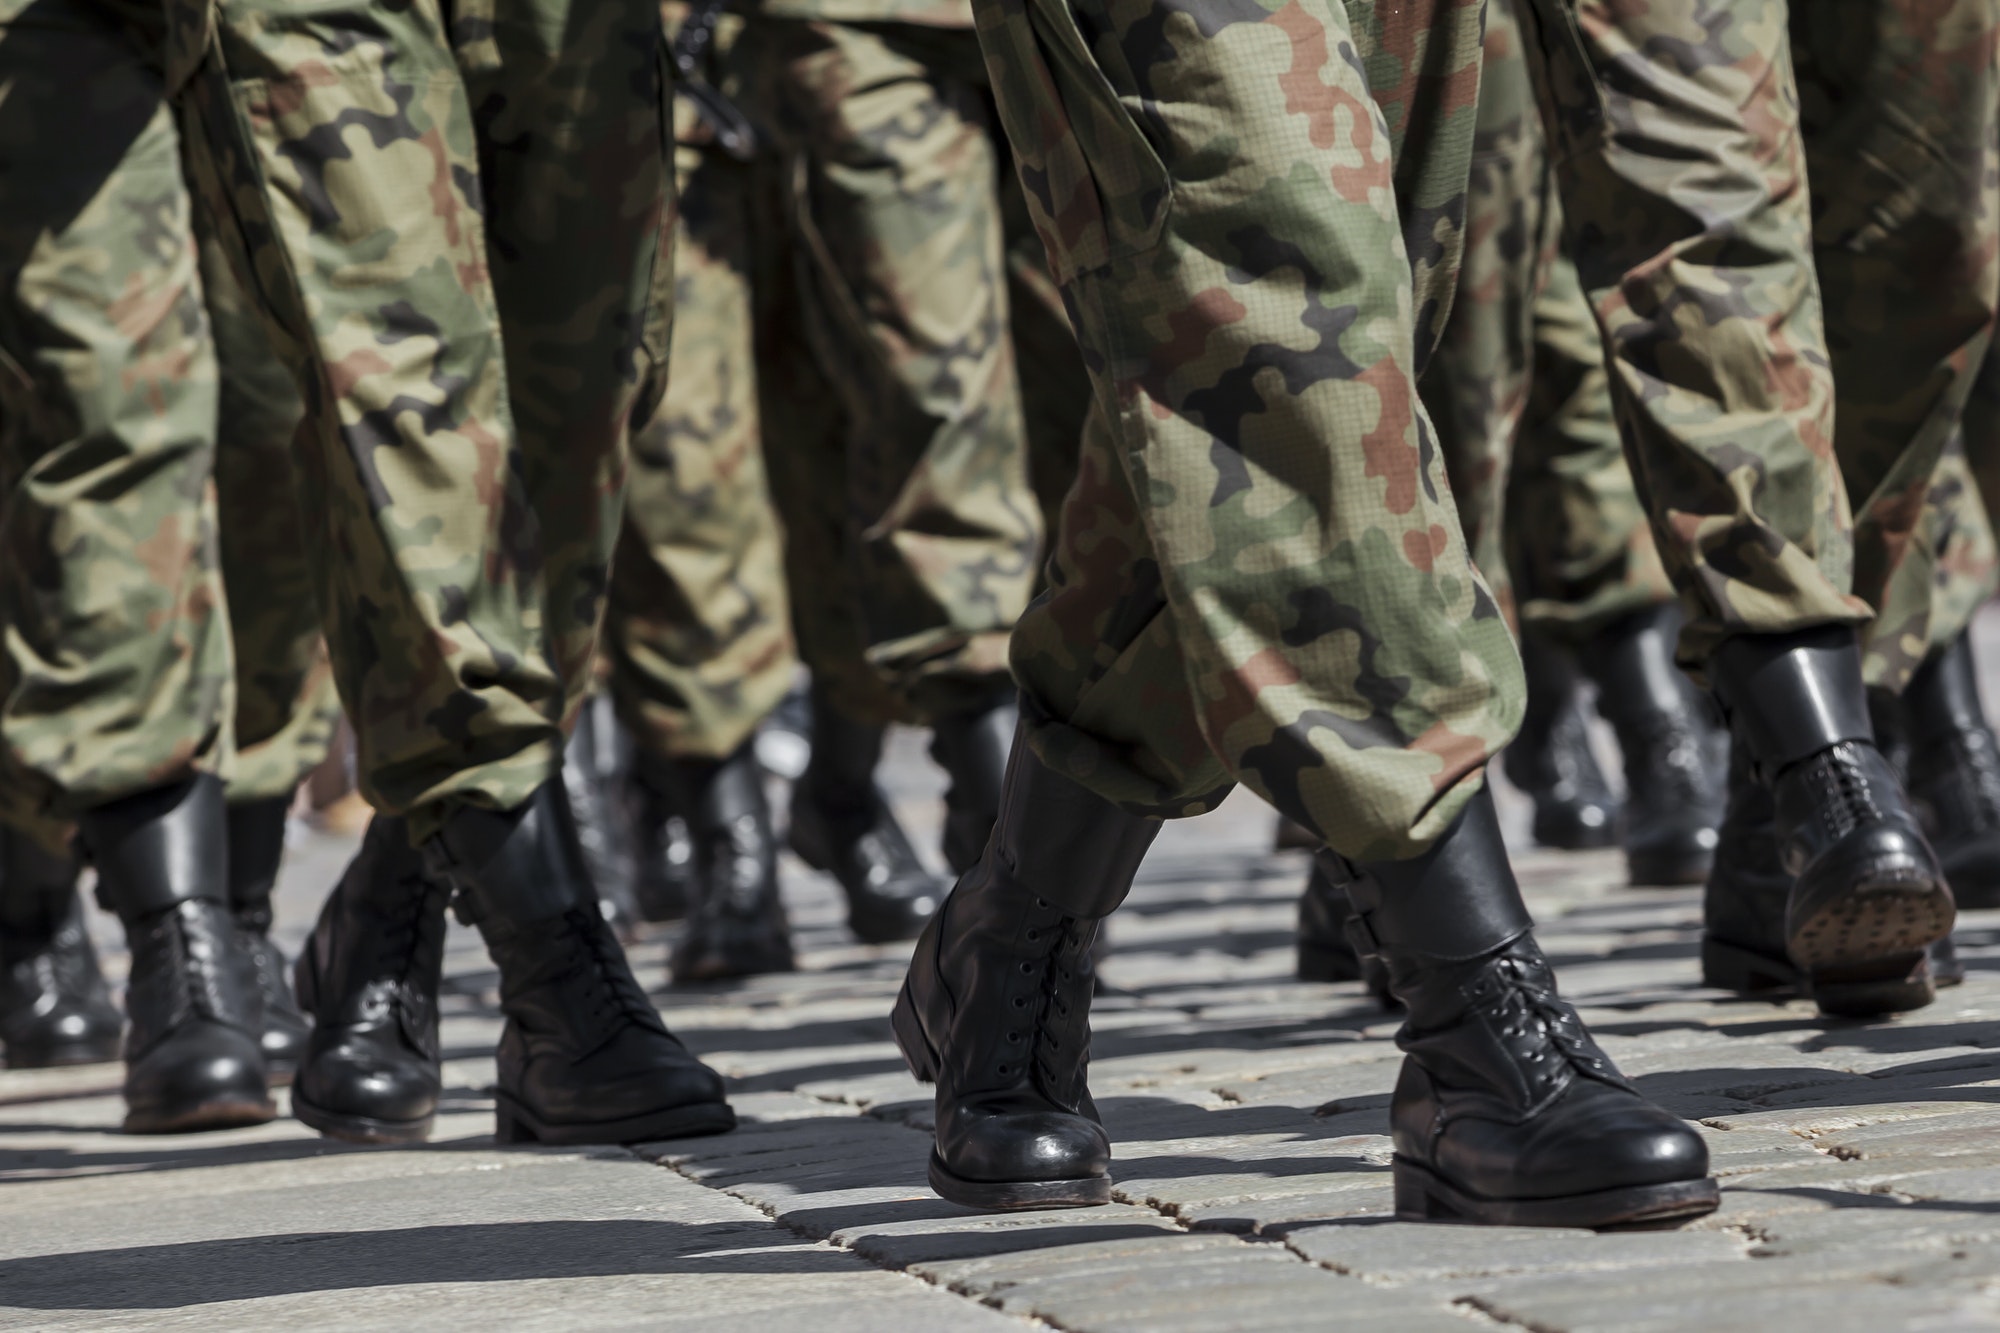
(910, 1039)
(1732, 967)
(508, 1128)
(1413, 1195)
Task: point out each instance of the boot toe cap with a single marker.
(352, 1082)
(1035, 1146)
(206, 1076)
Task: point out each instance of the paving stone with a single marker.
(1400, 1252)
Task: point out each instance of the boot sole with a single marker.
(515, 1123)
(360, 1128)
(1886, 913)
(64, 1056)
(1424, 1196)
(1732, 967)
(230, 1113)
(1010, 1196)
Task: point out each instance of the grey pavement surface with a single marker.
(1861, 1162)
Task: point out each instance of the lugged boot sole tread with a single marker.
(1860, 947)
(514, 1123)
(1424, 1196)
(360, 1128)
(1746, 971)
(1009, 1196)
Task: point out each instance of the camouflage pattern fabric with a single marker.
(1518, 390)
(1732, 306)
(892, 414)
(136, 390)
(698, 632)
(1257, 218)
(116, 671)
(458, 234)
(287, 710)
(1577, 540)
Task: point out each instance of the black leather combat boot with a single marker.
(1743, 920)
(1673, 793)
(1506, 1113)
(1866, 900)
(971, 747)
(602, 824)
(194, 1058)
(1325, 951)
(996, 1008)
(256, 849)
(1954, 772)
(54, 1007)
(584, 1057)
(841, 824)
(736, 923)
(369, 976)
(1551, 759)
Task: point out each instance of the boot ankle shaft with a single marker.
(1457, 901)
(1792, 696)
(1063, 842)
(1942, 698)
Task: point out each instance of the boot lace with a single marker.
(609, 996)
(1538, 1029)
(1847, 792)
(1045, 1037)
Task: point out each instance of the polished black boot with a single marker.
(54, 1007)
(603, 826)
(1551, 759)
(1867, 899)
(736, 924)
(1743, 920)
(1954, 772)
(841, 824)
(996, 1008)
(194, 1058)
(662, 854)
(1673, 796)
(1506, 1113)
(369, 976)
(1325, 951)
(584, 1057)
(971, 747)
(256, 849)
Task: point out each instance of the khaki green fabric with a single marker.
(1259, 575)
(1734, 300)
(457, 230)
(699, 631)
(135, 388)
(1518, 391)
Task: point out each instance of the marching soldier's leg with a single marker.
(54, 1006)
(286, 707)
(900, 229)
(1260, 576)
(699, 629)
(458, 235)
(1700, 271)
(1475, 391)
(117, 673)
(1592, 589)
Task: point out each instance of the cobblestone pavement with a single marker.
(1860, 1162)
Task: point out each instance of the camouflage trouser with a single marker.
(1733, 306)
(892, 415)
(1259, 574)
(1517, 389)
(457, 232)
(118, 672)
(698, 631)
